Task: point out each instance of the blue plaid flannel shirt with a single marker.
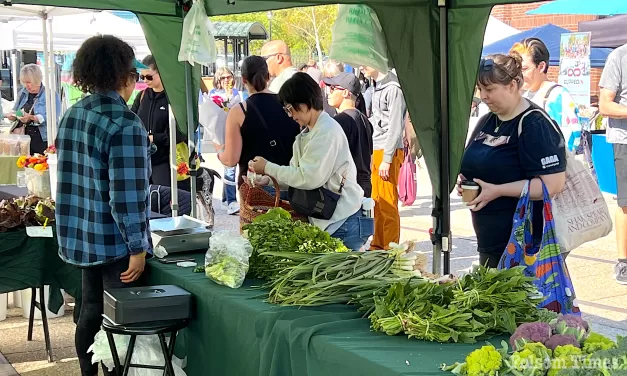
(102, 208)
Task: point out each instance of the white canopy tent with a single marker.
(73, 26)
(71, 31)
(497, 30)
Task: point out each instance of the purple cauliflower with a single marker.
(561, 340)
(530, 332)
(572, 325)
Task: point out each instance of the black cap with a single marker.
(345, 80)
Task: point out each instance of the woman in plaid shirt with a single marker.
(102, 192)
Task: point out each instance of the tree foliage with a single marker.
(306, 30)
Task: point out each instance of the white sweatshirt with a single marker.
(321, 157)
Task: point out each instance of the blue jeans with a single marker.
(270, 189)
(229, 193)
(355, 231)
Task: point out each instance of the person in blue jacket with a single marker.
(30, 108)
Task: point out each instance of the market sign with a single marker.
(574, 72)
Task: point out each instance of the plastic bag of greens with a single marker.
(226, 261)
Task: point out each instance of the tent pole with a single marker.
(15, 67)
(445, 166)
(52, 119)
(190, 99)
(191, 136)
(174, 192)
(47, 76)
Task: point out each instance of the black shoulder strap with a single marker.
(242, 106)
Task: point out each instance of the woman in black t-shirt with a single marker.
(500, 157)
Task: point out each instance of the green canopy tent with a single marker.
(435, 46)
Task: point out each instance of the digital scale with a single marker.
(180, 234)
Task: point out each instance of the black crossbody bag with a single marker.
(317, 203)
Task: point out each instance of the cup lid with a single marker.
(469, 183)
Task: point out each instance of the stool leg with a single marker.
(169, 370)
(129, 355)
(44, 319)
(171, 347)
(114, 352)
(31, 317)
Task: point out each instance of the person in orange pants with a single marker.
(388, 123)
(387, 221)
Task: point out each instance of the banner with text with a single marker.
(574, 72)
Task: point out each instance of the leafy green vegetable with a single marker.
(276, 232)
(481, 304)
(199, 269)
(227, 271)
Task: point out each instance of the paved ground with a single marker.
(603, 302)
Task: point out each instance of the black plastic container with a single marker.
(148, 303)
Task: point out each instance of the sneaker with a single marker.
(233, 208)
(620, 271)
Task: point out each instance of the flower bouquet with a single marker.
(36, 171)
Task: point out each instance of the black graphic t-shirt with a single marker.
(498, 155)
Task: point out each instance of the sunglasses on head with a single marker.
(147, 77)
(488, 64)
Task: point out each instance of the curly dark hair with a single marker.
(103, 63)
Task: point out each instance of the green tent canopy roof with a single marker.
(248, 30)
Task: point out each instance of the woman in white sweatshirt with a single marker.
(321, 158)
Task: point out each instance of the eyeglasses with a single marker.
(226, 78)
(266, 57)
(148, 77)
(289, 110)
(488, 64)
(135, 75)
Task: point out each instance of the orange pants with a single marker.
(387, 221)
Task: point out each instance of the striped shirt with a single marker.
(102, 208)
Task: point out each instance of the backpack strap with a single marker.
(548, 93)
(546, 116)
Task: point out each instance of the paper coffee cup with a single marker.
(470, 191)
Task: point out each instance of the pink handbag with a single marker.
(407, 186)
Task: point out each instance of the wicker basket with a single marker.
(256, 201)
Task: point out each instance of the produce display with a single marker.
(25, 211)
(275, 231)
(563, 347)
(481, 304)
(337, 277)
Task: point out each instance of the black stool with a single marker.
(41, 306)
(160, 328)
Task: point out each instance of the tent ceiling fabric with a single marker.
(411, 28)
(250, 30)
(608, 32)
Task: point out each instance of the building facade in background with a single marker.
(515, 16)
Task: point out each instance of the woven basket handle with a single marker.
(277, 191)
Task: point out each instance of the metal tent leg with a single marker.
(445, 165)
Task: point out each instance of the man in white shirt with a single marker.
(613, 105)
(279, 60)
